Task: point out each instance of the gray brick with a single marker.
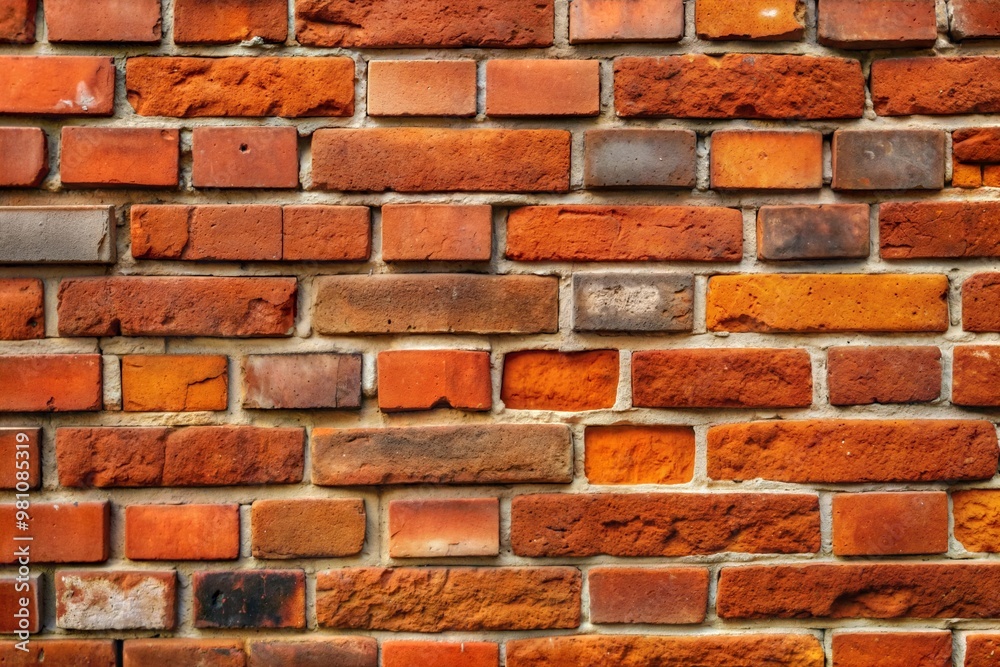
(57, 235)
(830, 231)
(639, 159)
(632, 302)
(888, 160)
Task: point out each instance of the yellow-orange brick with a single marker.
(767, 160)
(174, 383)
(640, 454)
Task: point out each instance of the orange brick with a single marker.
(877, 24)
(891, 649)
(975, 374)
(51, 383)
(564, 381)
(908, 86)
(119, 157)
(20, 605)
(991, 176)
(61, 653)
(639, 454)
(422, 88)
(543, 88)
(182, 532)
(751, 160)
(58, 85)
(677, 595)
(634, 21)
(981, 650)
(327, 233)
(439, 654)
(772, 20)
(444, 528)
(214, 233)
(890, 524)
(425, 379)
(62, 532)
(966, 175)
(169, 652)
(18, 445)
(434, 232)
(102, 21)
(17, 21)
(811, 303)
(977, 519)
(308, 528)
(228, 21)
(245, 157)
(174, 383)
(25, 154)
(22, 312)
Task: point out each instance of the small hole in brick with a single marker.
(244, 148)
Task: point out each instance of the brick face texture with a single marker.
(500, 333)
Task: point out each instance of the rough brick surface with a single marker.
(340, 651)
(639, 454)
(981, 649)
(326, 233)
(907, 86)
(980, 296)
(753, 160)
(182, 532)
(877, 24)
(569, 382)
(920, 230)
(422, 88)
(436, 232)
(57, 85)
(827, 231)
(51, 383)
(302, 381)
(26, 157)
(116, 600)
(771, 20)
(890, 524)
(250, 599)
(61, 653)
(444, 528)
(897, 649)
(22, 315)
(103, 21)
(633, 302)
(227, 21)
(206, 232)
(981, 144)
(973, 19)
(426, 379)
(888, 160)
(317, 528)
(638, 21)
(17, 21)
(174, 383)
(974, 373)
(58, 235)
(884, 374)
(976, 520)
(676, 595)
(639, 159)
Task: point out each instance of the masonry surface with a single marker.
(482, 333)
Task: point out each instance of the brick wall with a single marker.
(643, 333)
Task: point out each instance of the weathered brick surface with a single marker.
(442, 455)
(663, 524)
(438, 599)
(302, 381)
(17, 21)
(174, 383)
(980, 296)
(63, 235)
(227, 21)
(896, 649)
(633, 302)
(57, 85)
(326, 233)
(26, 158)
(907, 86)
(853, 451)
(939, 230)
(888, 160)
(103, 21)
(758, 19)
(422, 88)
(754, 160)
(543, 88)
(565, 381)
(973, 19)
(51, 383)
(116, 600)
(61, 653)
(317, 528)
(426, 379)
(61, 532)
(639, 454)
(439, 654)
(182, 532)
(340, 651)
(249, 599)
(981, 649)
(677, 595)
(890, 524)
(827, 231)
(739, 86)
(974, 373)
(639, 159)
(202, 652)
(981, 144)
(207, 232)
(976, 519)
(884, 374)
(22, 315)
(436, 232)
(877, 24)
(444, 528)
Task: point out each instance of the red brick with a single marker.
(977, 519)
(739, 86)
(241, 86)
(338, 651)
(971, 19)
(412, 159)
(436, 303)
(674, 595)
(755, 160)
(627, 454)
(302, 381)
(896, 649)
(437, 232)
(564, 381)
(22, 310)
(877, 24)
(116, 600)
(178, 652)
(862, 590)
(981, 303)
(249, 599)
(129, 457)
(890, 524)
(438, 599)
(102, 21)
(866, 375)
(422, 88)
(215, 233)
(17, 21)
(850, 451)
(471, 454)
(543, 88)
(182, 532)
(814, 303)
(731, 378)
(17, 446)
(119, 157)
(51, 383)
(245, 157)
(425, 23)
(20, 604)
(712, 650)
(772, 20)
(975, 374)
(62, 532)
(426, 379)
(327, 233)
(625, 233)
(177, 306)
(635, 21)
(981, 650)
(977, 144)
(663, 524)
(439, 654)
(58, 85)
(904, 159)
(308, 528)
(229, 21)
(936, 86)
(26, 157)
(61, 653)
(933, 230)
(824, 231)
(444, 528)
